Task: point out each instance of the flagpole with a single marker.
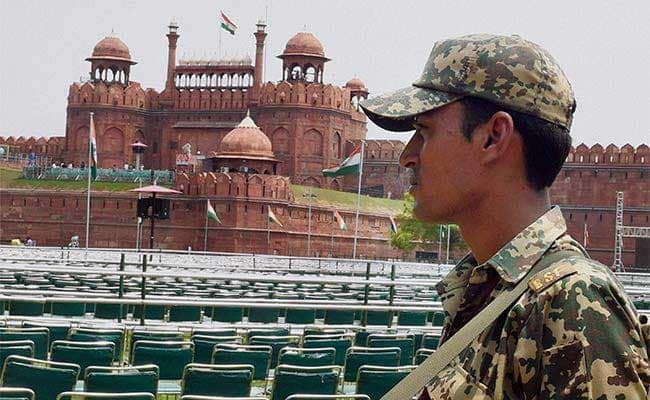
(448, 239)
(332, 241)
(205, 236)
(220, 29)
(356, 223)
(268, 231)
(89, 167)
(440, 242)
(584, 236)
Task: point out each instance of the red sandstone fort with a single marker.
(299, 125)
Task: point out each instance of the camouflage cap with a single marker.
(506, 70)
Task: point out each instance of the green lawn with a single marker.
(346, 200)
(12, 178)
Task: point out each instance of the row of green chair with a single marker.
(228, 314)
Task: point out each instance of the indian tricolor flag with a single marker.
(93, 149)
(213, 214)
(273, 218)
(393, 225)
(227, 24)
(349, 166)
(340, 221)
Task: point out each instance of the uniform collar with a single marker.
(517, 257)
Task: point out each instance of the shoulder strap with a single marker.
(420, 376)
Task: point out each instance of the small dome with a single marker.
(356, 84)
(111, 48)
(247, 139)
(304, 43)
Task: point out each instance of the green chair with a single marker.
(430, 341)
(412, 318)
(378, 317)
(83, 354)
(39, 336)
(277, 343)
(227, 314)
(327, 397)
(421, 355)
(161, 336)
(339, 317)
(142, 378)
(251, 333)
(358, 356)
(294, 316)
(105, 396)
(170, 357)
(94, 334)
(323, 331)
(110, 311)
(68, 309)
(7, 393)
(438, 318)
(233, 354)
(218, 380)
(204, 346)
(27, 308)
(406, 343)
(58, 331)
(307, 357)
(340, 344)
(215, 332)
(289, 380)
(195, 397)
(8, 348)
(377, 381)
(263, 315)
(185, 313)
(151, 311)
(46, 378)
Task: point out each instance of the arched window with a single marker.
(336, 145)
(312, 143)
(110, 76)
(310, 73)
(192, 80)
(296, 72)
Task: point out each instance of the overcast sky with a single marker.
(603, 46)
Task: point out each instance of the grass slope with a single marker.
(346, 200)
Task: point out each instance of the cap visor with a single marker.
(395, 111)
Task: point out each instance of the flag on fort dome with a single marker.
(393, 225)
(340, 221)
(213, 214)
(227, 24)
(93, 149)
(273, 218)
(349, 166)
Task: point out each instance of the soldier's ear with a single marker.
(496, 137)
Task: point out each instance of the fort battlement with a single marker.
(112, 94)
(596, 154)
(50, 146)
(235, 184)
(306, 94)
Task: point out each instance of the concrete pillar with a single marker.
(260, 36)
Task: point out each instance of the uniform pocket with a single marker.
(454, 383)
(565, 372)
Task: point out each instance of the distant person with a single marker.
(29, 242)
(114, 168)
(82, 165)
(492, 116)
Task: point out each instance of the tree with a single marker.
(413, 234)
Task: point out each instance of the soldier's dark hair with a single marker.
(546, 145)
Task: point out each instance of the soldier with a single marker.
(492, 116)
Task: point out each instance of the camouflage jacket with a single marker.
(574, 336)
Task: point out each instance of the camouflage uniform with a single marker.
(574, 334)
